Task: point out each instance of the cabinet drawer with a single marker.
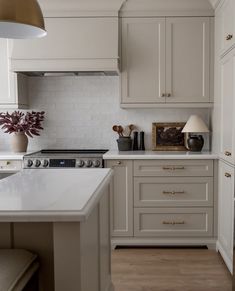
(170, 192)
(173, 168)
(173, 222)
(10, 166)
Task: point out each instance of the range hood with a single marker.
(81, 46)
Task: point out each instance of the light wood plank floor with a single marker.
(169, 270)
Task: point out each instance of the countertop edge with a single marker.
(150, 155)
(58, 216)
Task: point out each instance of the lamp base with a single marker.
(195, 143)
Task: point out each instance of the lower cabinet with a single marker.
(162, 202)
(121, 198)
(226, 213)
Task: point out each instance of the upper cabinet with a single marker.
(227, 104)
(227, 22)
(13, 89)
(166, 61)
(188, 60)
(72, 44)
(143, 60)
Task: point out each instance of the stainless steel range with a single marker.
(46, 159)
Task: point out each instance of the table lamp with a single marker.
(195, 124)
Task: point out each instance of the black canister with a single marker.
(124, 143)
(135, 143)
(142, 146)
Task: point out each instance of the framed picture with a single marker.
(168, 137)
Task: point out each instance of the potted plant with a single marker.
(21, 125)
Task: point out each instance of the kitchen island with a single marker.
(63, 216)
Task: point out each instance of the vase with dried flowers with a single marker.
(21, 125)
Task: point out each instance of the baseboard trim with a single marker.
(209, 242)
(228, 261)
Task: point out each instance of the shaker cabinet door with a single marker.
(13, 89)
(143, 60)
(5, 96)
(121, 198)
(226, 212)
(227, 17)
(188, 59)
(227, 107)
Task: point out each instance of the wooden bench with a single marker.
(17, 270)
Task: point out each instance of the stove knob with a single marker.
(29, 163)
(96, 163)
(88, 163)
(37, 163)
(80, 163)
(45, 163)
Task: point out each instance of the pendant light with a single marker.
(21, 19)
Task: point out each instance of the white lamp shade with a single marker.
(195, 125)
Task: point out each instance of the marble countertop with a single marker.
(51, 195)
(156, 155)
(11, 156)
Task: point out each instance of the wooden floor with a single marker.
(169, 270)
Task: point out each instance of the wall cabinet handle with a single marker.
(229, 37)
(173, 168)
(228, 154)
(227, 175)
(172, 192)
(173, 222)
(119, 163)
(168, 95)
(163, 95)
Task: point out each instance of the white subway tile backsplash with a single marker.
(80, 113)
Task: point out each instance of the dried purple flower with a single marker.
(29, 123)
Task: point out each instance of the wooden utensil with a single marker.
(116, 129)
(131, 128)
(120, 130)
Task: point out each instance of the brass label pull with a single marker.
(173, 222)
(172, 192)
(173, 168)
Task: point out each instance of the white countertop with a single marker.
(51, 195)
(11, 156)
(156, 155)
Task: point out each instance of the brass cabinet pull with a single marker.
(8, 163)
(119, 163)
(228, 154)
(163, 95)
(173, 168)
(229, 37)
(227, 175)
(168, 95)
(173, 222)
(172, 192)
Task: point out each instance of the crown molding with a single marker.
(214, 3)
(81, 8)
(135, 8)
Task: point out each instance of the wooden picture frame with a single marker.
(168, 136)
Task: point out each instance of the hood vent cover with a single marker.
(72, 45)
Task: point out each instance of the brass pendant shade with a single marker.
(21, 19)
